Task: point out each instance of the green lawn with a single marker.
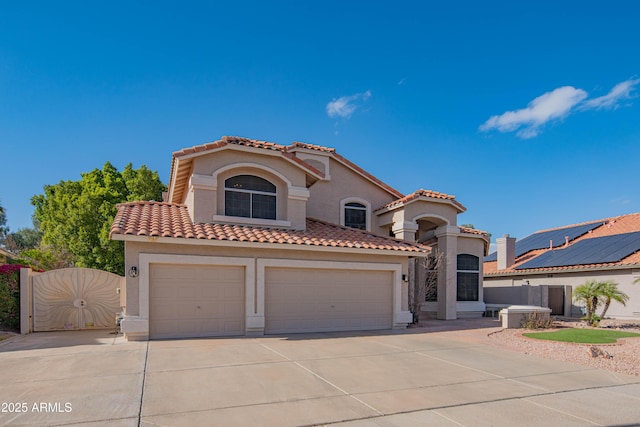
(584, 336)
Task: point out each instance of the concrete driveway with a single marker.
(408, 378)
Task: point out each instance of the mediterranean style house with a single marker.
(255, 237)
(542, 269)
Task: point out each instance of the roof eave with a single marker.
(558, 270)
(178, 158)
(257, 245)
(451, 202)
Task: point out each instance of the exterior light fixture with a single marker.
(133, 271)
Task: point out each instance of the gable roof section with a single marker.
(182, 160)
(613, 243)
(172, 221)
(422, 194)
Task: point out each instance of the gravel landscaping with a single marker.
(622, 357)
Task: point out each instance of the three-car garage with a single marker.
(200, 296)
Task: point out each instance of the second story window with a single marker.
(355, 215)
(250, 197)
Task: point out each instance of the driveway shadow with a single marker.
(424, 327)
(60, 339)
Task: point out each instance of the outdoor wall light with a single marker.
(404, 277)
(133, 271)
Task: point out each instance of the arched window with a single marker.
(468, 277)
(355, 215)
(250, 197)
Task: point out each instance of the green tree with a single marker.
(592, 293)
(3, 224)
(75, 216)
(23, 239)
(588, 293)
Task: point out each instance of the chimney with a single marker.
(506, 251)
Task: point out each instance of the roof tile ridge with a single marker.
(425, 193)
(202, 147)
(257, 143)
(296, 144)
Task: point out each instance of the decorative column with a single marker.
(405, 230)
(447, 274)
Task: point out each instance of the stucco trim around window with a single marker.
(363, 202)
(252, 166)
(294, 192)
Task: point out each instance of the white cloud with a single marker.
(556, 105)
(346, 105)
(549, 106)
(620, 92)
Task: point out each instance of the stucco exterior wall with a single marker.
(134, 249)
(205, 195)
(324, 201)
(209, 163)
(426, 209)
(506, 289)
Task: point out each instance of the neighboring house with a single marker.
(255, 237)
(543, 268)
(6, 255)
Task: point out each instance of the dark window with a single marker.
(468, 277)
(355, 215)
(250, 197)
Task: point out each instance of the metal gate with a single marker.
(75, 298)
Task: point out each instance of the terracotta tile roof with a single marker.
(611, 226)
(157, 219)
(226, 140)
(423, 193)
(468, 230)
(296, 144)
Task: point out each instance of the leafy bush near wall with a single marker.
(10, 296)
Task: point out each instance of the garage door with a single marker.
(195, 301)
(318, 300)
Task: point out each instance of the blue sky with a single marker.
(528, 112)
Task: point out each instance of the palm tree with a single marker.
(610, 292)
(589, 294)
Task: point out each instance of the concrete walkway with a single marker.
(435, 375)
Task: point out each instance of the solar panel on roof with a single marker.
(541, 239)
(588, 251)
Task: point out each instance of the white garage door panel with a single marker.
(317, 300)
(196, 301)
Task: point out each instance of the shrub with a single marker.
(537, 321)
(10, 296)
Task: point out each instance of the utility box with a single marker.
(513, 316)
